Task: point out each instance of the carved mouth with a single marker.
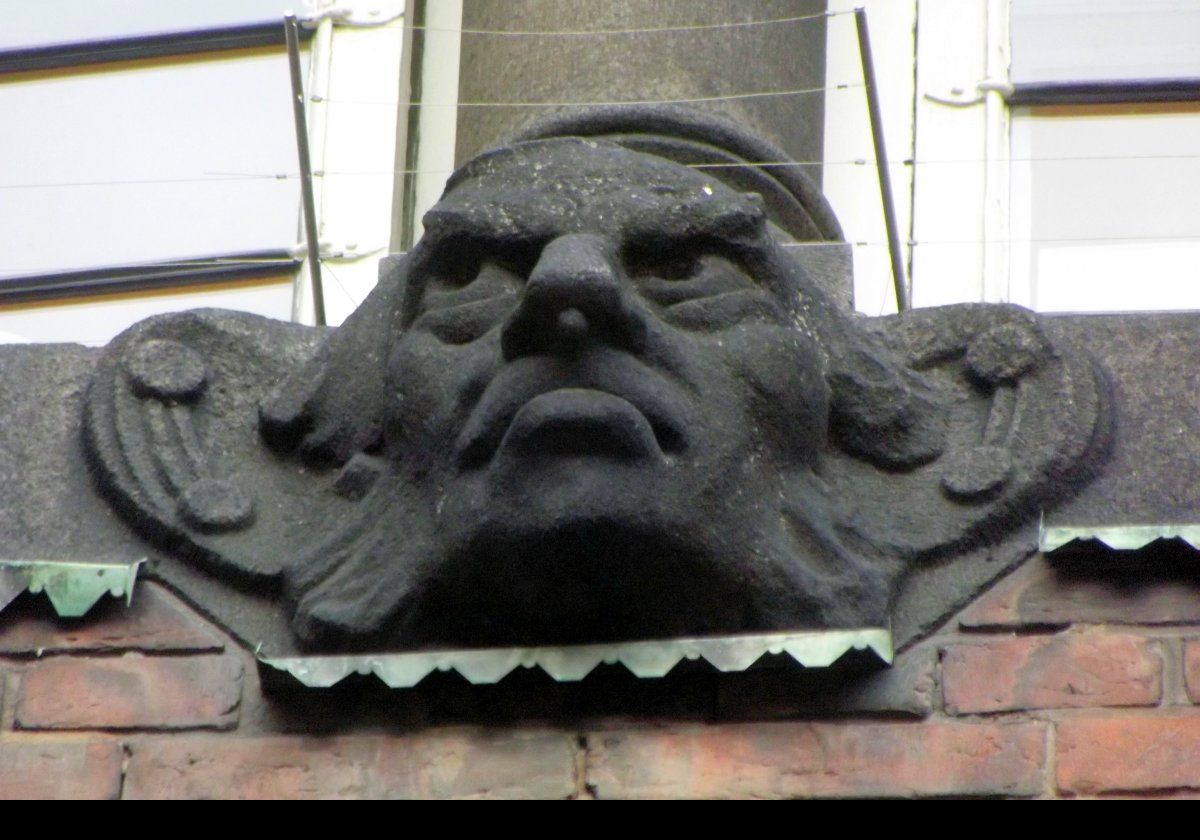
(581, 421)
(572, 420)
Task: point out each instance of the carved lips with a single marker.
(581, 421)
(608, 406)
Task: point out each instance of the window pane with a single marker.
(1097, 40)
(45, 22)
(1106, 208)
(169, 160)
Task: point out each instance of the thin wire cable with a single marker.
(783, 164)
(292, 176)
(1189, 237)
(571, 33)
(145, 181)
(913, 242)
(287, 262)
(327, 267)
(577, 104)
(953, 161)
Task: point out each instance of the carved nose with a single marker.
(573, 296)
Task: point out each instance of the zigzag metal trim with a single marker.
(73, 587)
(485, 666)
(1117, 537)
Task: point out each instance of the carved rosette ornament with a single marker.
(601, 401)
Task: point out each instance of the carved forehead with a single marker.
(545, 188)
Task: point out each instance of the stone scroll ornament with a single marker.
(600, 400)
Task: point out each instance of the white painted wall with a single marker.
(353, 144)
(956, 139)
(438, 114)
(853, 188)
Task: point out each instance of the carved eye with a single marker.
(461, 262)
(670, 265)
(704, 292)
(674, 267)
(466, 298)
(724, 310)
(454, 267)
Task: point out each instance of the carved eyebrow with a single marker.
(482, 223)
(735, 222)
(448, 230)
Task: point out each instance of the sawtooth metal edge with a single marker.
(72, 587)
(1117, 537)
(817, 649)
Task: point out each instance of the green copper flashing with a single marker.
(73, 588)
(647, 660)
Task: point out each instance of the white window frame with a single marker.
(353, 103)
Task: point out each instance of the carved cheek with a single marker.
(433, 387)
(781, 372)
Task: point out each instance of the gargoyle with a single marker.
(600, 400)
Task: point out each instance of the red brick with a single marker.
(776, 760)
(57, 770)
(998, 607)
(155, 621)
(1128, 754)
(1075, 670)
(130, 692)
(1191, 669)
(432, 765)
(1039, 594)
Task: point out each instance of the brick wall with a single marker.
(1050, 685)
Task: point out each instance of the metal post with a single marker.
(903, 295)
(292, 33)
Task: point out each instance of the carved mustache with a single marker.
(614, 374)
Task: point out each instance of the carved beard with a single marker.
(388, 577)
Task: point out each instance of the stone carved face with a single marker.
(603, 375)
(600, 400)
